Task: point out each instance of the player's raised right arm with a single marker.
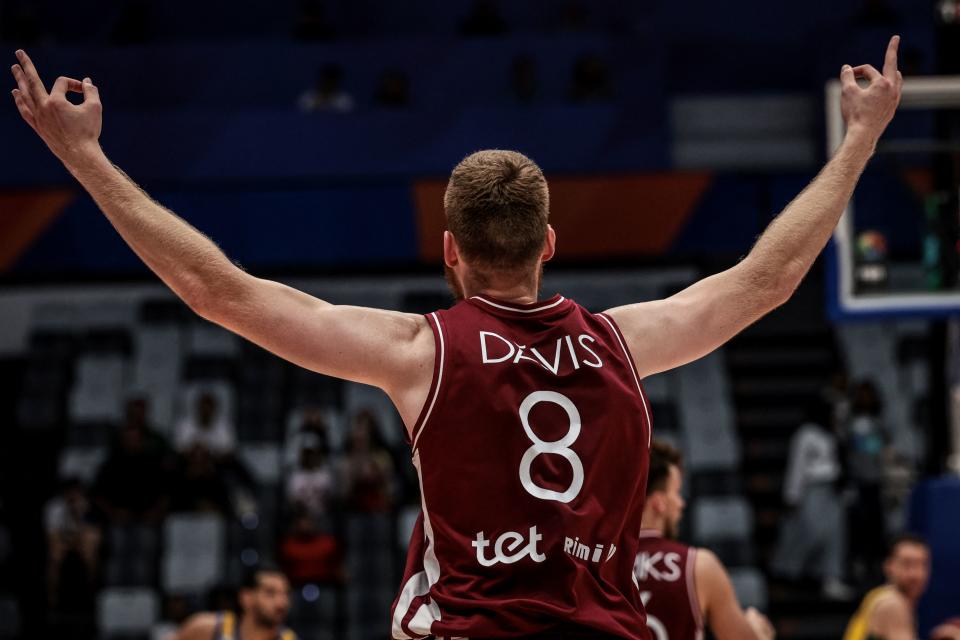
(668, 333)
(393, 351)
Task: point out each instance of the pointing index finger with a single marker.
(34, 84)
(890, 61)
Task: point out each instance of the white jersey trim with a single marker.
(636, 378)
(436, 390)
(415, 587)
(420, 583)
(692, 588)
(508, 308)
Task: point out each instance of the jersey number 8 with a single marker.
(559, 447)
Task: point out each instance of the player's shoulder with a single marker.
(891, 602)
(199, 626)
(710, 576)
(707, 561)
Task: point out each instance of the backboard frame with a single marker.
(933, 92)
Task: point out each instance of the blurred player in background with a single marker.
(264, 604)
(888, 612)
(532, 480)
(684, 587)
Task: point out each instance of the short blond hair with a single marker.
(497, 205)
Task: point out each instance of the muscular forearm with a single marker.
(787, 249)
(186, 260)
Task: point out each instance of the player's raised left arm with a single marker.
(391, 350)
(668, 333)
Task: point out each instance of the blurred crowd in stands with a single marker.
(590, 75)
(146, 477)
(589, 84)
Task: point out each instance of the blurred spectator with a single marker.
(367, 467)
(523, 79)
(133, 25)
(877, 13)
(136, 413)
(813, 538)
(912, 61)
(130, 486)
(394, 89)
(327, 94)
(20, 23)
(208, 427)
(837, 394)
(312, 23)
(311, 484)
(199, 485)
(314, 423)
(573, 17)
(73, 544)
(590, 80)
(867, 444)
(308, 554)
(312, 427)
(484, 19)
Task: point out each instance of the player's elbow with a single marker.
(195, 296)
(774, 285)
(212, 298)
(783, 289)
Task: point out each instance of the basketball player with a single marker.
(264, 604)
(887, 612)
(682, 587)
(532, 480)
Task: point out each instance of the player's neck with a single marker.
(903, 594)
(250, 630)
(516, 295)
(652, 522)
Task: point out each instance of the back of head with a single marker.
(662, 457)
(497, 205)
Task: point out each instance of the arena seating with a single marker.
(184, 357)
(127, 612)
(194, 547)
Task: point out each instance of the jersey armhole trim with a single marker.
(692, 587)
(439, 359)
(633, 370)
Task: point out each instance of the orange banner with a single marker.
(24, 216)
(594, 217)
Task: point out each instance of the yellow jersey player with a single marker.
(887, 612)
(264, 604)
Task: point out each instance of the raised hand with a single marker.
(869, 109)
(68, 129)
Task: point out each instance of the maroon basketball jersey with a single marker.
(532, 452)
(665, 573)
